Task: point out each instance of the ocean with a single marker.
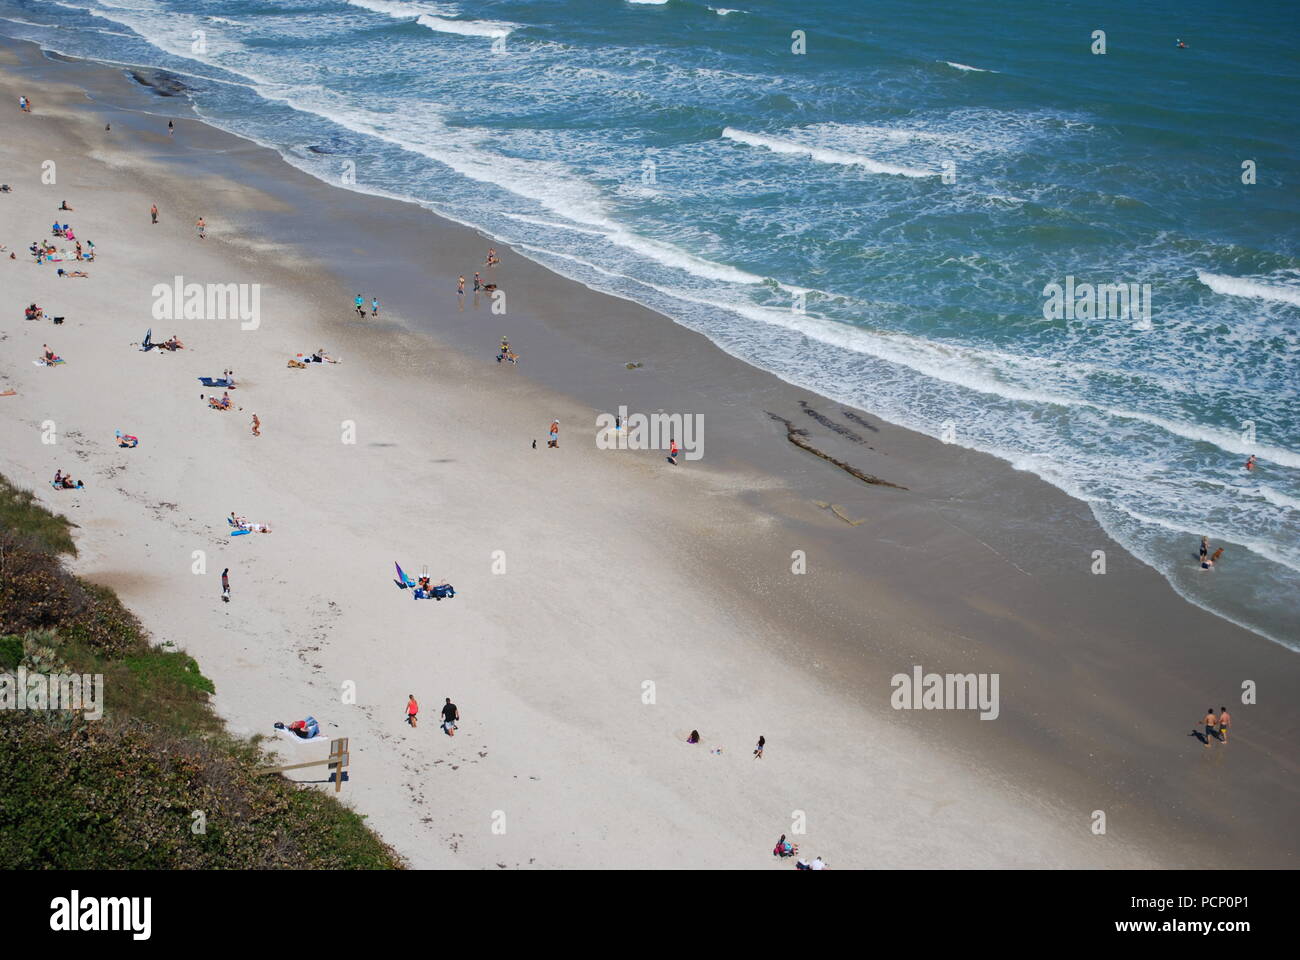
(871, 200)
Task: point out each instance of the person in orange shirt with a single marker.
(412, 710)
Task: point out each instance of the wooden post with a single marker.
(338, 759)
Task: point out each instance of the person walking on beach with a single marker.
(450, 714)
(1225, 722)
(203, 228)
(153, 213)
(460, 285)
(1211, 726)
(257, 426)
(360, 304)
(374, 306)
(478, 282)
(225, 585)
(412, 710)
(171, 128)
(758, 748)
(555, 434)
(672, 452)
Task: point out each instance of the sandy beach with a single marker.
(608, 602)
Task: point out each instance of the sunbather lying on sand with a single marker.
(242, 523)
(222, 404)
(72, 273)
(173, 344)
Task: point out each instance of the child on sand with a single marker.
(257, 426)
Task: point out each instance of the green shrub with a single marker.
(21, 515)
(11, 652)
(120, 792)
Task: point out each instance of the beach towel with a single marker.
(45, 363)
(287, 734)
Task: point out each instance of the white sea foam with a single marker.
(406, 11)
(1277, 498)
(963, 66)
(550, 184)
(821, 154)
(467, 28)
(1246, 287)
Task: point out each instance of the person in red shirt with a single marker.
(412, 710)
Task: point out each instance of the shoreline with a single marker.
(871, 612)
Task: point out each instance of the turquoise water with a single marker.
(876, 218)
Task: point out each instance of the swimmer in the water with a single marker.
(1250, 462)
